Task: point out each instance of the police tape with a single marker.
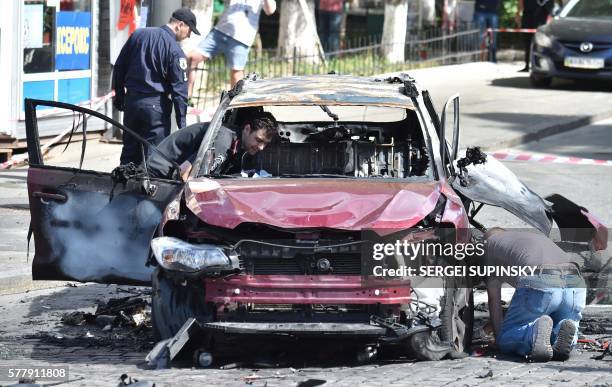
(22, 158)
(95, 104)
(520, 30)
(550, 159)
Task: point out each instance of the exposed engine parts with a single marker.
(335, 151)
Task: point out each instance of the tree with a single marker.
(394, 30)
(296, 34)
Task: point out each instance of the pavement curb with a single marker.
(541, 132)
(24, 283)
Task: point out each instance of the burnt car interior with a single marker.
(382, 148)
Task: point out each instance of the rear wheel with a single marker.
(457, 317)
(173, 303)
(540, 81)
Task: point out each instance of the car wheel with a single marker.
(540, 81)
(173, 303)
(457, 317)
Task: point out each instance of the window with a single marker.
(57, 50)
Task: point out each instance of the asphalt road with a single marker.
(31, 331)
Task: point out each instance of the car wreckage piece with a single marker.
(280, 255)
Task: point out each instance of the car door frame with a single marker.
(91, 226)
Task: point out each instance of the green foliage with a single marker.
(507, 13)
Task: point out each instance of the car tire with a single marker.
(173, 303)
(457, 317)
(540, 81)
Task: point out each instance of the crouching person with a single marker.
(542, 320)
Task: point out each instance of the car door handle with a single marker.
(58, 197)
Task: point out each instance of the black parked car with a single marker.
(575, 45)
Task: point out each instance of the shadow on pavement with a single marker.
(51, 340)
(522, 82)
(592, 142)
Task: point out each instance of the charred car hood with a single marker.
(347, 204)
(574, 29)
(494, 184)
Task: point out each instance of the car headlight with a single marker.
(542, 40)
(175, 254)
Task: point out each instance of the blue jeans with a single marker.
(236, 53)
(329, 30)
(486, 20)
(562, 297)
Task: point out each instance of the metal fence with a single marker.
(358, 56)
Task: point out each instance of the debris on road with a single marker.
(126, 380)
(597, 345)
(184, 345)
(78, 318)
(126, 311)
(592, 327)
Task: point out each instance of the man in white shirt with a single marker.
(233, 36)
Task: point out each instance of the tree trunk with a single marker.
(295, 35)
(394, 30)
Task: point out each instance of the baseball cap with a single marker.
(186, 16)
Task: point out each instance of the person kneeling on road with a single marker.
(546, 307)
(233, 148)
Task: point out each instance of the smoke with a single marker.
(93, 239)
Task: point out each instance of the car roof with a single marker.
(322, 90)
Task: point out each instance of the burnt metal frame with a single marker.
(33, 140)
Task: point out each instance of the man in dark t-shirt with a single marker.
(546, 306)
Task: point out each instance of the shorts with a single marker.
(236, 53)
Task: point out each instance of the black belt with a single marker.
(141, 94)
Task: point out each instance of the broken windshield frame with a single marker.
(34, 154)
(205, 153)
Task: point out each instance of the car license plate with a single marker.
(584, 63)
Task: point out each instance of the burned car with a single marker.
(279, 250)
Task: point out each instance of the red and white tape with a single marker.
(541, 158)
(522, 30)
(93, 103)
(202, 115)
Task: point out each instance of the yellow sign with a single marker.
(72, 40)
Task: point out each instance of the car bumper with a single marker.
(295, 289)
(550, 62)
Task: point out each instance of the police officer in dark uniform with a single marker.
(151, 68)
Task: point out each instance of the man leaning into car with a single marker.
(234, 148)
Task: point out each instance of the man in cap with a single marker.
(149, 76)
